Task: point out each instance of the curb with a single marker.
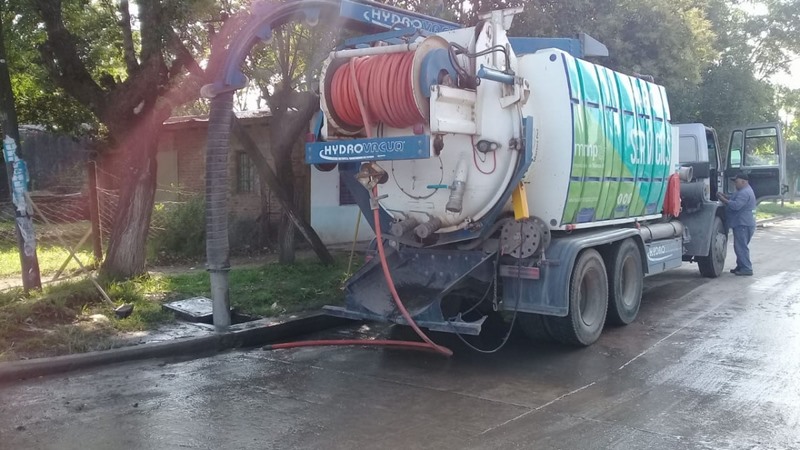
(249, 334)
(762, 222)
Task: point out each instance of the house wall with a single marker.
(248, 205)
(187, 140)
(167, 175)
(181, 172)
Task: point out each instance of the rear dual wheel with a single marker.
(597, 294)
(588, 303)
(625, 280)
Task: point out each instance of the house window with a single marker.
(245, 173)
(345, 197)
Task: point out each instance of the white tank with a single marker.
(601, 147)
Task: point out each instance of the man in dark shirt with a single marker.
(741, 219)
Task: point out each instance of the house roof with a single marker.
(252, 116)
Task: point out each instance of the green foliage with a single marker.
(179, 229)
(793, 157)
(729, 96)
(98, 35)
(39, 101)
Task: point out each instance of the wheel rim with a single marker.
(629, 282)
(591, 297)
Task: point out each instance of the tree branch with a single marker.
(150, 16)
(135, 95)
(127, 38)
(60, 57)
(293, 59)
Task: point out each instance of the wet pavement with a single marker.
(708, 364)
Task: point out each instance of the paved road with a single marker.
(707, 365)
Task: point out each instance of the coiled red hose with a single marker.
(376, 89)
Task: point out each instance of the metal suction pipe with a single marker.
(426, 229)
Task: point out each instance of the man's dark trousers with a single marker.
(741, 240)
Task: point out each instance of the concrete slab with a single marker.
(195, 309)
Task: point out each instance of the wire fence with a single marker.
(65, 188)
(63, 230)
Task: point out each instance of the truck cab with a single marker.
(756, 150)
(699, 149)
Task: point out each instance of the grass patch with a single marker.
(50, 260)
(774, 209)
(49, 250)
(59, 320)
(270, 290)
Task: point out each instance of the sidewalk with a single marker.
(249, 334)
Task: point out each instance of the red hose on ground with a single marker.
(355, 342)
(387, 81)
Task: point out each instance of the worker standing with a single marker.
(739, 210)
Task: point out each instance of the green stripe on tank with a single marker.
(621, 147)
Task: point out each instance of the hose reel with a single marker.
(393, 83)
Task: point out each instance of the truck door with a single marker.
(758, 151)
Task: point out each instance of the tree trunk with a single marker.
(128, 240)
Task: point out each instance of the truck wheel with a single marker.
(711, 266)
(588, 303)
(625, 281)
(534, 327)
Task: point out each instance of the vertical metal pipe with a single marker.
(217, 246)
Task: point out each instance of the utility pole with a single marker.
(17, 175)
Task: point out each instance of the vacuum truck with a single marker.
(510, 175)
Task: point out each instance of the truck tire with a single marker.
(534, 327)
(711, 266)
(625, 282)
(588, 303)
